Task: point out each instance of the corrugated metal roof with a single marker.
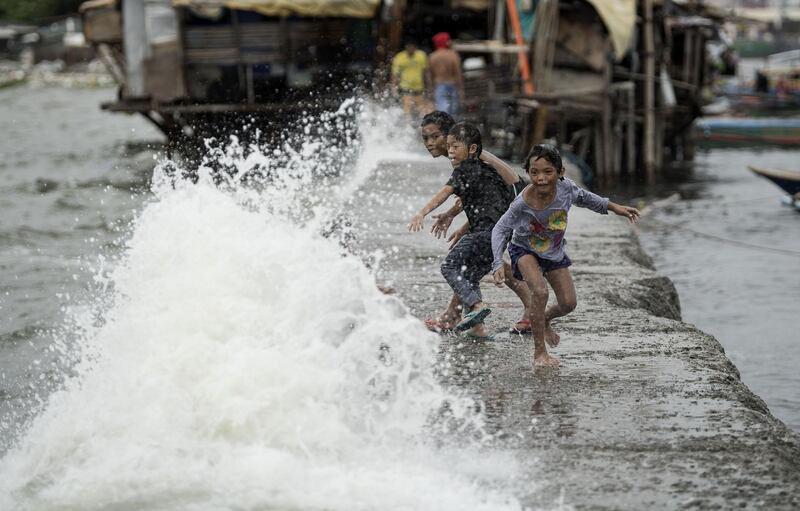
(312, 8)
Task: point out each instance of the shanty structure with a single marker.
(188, 65)
(616, 82)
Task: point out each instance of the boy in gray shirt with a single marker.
(535, 223)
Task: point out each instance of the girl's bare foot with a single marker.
(545, 360)
(550, 336)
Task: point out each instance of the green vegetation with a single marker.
(32, 11)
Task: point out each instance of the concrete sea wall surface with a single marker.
(645, 412)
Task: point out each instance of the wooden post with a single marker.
(237, 40)
(688, 55)
(631, 131)
(699, 62)
(136, 46)
(107, 57)
(499, 25)
(396, 28)
(625, 126)
(649, 92)
(544, 47)
(524, 67)
(608, 140)
(251, 94)
(541, 124)
(658, 159)
(599, 157)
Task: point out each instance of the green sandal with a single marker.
(473, 318)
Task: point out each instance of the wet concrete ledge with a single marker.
(646, 411)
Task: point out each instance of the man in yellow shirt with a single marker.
(410, 76)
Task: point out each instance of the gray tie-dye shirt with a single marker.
(542, 230)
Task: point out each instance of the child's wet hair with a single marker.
(442, 119)
(467, 134)
(548, 152)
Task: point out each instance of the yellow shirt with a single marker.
(410, 70)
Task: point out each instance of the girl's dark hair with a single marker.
(439, 118)
(467, 134)
(546, 151)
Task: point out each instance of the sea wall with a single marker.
(645, 412)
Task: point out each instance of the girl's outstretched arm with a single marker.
(629, 212)
(435, 202)
(586, 199)
(504, 170)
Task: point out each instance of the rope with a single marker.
(675, 197)
(784, 251)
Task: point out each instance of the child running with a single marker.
(484, 197)
(434, 128)
(538, 220)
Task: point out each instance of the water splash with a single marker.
(245, 363)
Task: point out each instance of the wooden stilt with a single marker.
(631, 130)
(524, 67)
(608, 131)
(541, 124)
(597, 145)
(649, 93)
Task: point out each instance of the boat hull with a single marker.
(769, 131)
(788, 180)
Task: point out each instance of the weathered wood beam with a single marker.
(649, 92)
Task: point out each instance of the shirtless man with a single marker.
(445, 69)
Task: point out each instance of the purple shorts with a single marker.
(546, 265)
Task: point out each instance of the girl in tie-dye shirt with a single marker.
(535, 224)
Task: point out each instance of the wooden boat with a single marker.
(788, 180)
(769, 103)
(734, 130)
(775, 90)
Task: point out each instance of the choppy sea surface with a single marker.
(171, 328)
(733, 251)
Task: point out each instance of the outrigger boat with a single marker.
(775, 90)
(788, 180)
(739, 130)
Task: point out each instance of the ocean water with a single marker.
(216, 346)
(176, 345)
(733, 252)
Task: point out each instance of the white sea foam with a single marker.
(245, 364)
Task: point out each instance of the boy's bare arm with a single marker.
(457, 235)
(505, 170)
(435, 202)
(443, 221)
